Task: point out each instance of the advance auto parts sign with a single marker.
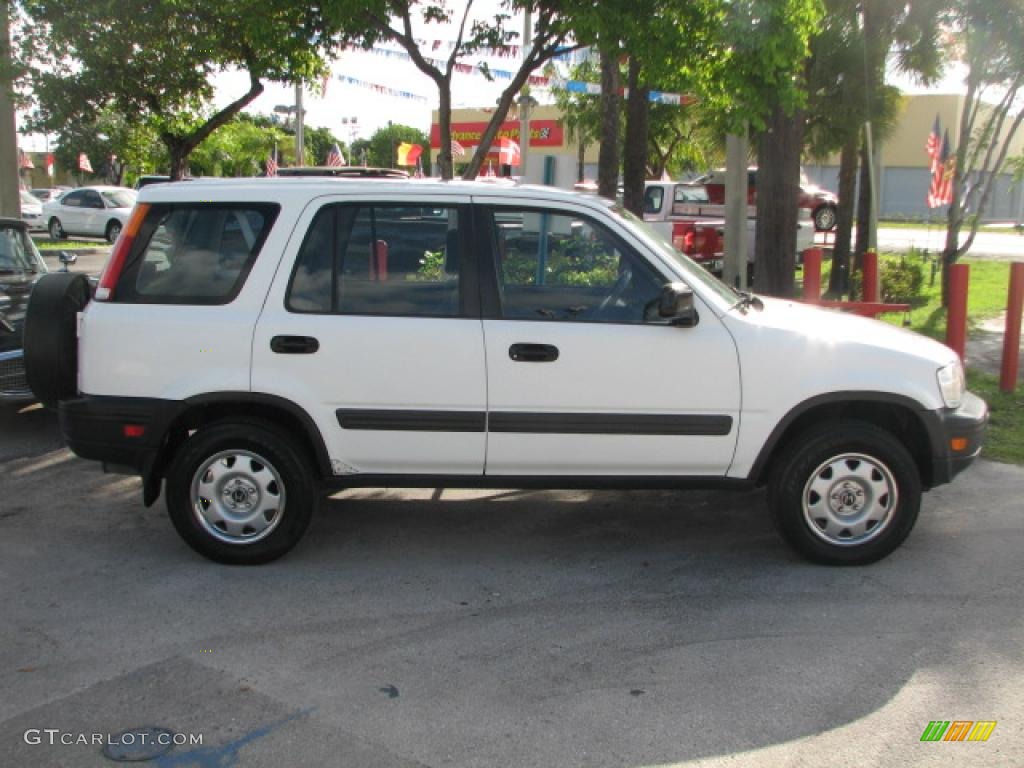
(543, 133)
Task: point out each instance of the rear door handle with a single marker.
(533, 353)
(294, 345)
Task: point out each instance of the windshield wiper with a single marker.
(747, 300)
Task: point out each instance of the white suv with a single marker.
(256, 343)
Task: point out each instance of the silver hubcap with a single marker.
(849, 499)
(237, 497)
(826, 218)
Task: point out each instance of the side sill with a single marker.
(549, 483)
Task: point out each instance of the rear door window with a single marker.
(195, 253)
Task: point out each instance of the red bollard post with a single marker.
(869, 285)
(956, 317)
(1011, 338)
(812, 274)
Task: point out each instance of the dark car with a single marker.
(20, 267)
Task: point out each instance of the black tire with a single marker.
(51, 337)
(825, 218)
(258, 444)
(113, 230)
(838, 455)
(56, 230)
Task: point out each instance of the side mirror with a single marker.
(676, 305)
(66, 258)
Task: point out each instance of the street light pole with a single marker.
(10, 198)
(524, 109)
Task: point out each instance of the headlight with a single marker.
(951, 384)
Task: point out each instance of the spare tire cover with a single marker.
(51, 336)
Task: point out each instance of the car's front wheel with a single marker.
(845, 493)
(113, 231)
(241, 492)
(56, 230)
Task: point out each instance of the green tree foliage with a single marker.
(240, 148)
(118, 149)
(153, 60)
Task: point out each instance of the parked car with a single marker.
(89, 211)
(819, 202)
(684, 213)
(32, 212)
(20, 267)
(255, 343)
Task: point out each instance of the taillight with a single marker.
(690, 242)
(112, 271)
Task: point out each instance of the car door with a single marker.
(94, 214)
(584, 378)
(375, 332)
(71, 213)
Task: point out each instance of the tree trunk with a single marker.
(581, 154)
(778, 197)
(839, 280)
(178, 151)
(608, 157)
(634, 165)
(444, 120)
(863, 209)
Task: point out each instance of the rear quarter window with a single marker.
(195, 253)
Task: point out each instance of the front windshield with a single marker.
(119, 198)
(695, 273)
(18, 253)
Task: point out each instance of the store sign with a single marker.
(543, 133)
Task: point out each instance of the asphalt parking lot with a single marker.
(502, 628)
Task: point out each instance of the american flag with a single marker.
(457, 149)
(941, 190)
(934, 144)
(334, 157)
(272, 164)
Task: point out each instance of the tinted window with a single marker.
(379, 260)
(73, 199)
(653, 197)
(92, 200)
(119, 198)
(17, 252)
(557, 266)
(195, 254)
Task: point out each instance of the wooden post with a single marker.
(869, 283)
(1011, 338)
(812, 274)
(956, 317)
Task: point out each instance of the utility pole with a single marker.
(10, 197)
(734, 270)
(524, 98)
(300, 122)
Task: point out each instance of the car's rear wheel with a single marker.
(51, 335)
(56, 230)
(113, 231)
(845, 493)
(241, 492)
(825, 218)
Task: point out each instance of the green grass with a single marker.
(46, 244)
(1005, 439)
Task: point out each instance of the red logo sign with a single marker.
(543, 133)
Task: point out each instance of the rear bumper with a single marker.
(967, 423)
(125, 432)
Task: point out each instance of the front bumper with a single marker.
(956, 437)
(13, 384)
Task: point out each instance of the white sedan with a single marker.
(90, 211)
